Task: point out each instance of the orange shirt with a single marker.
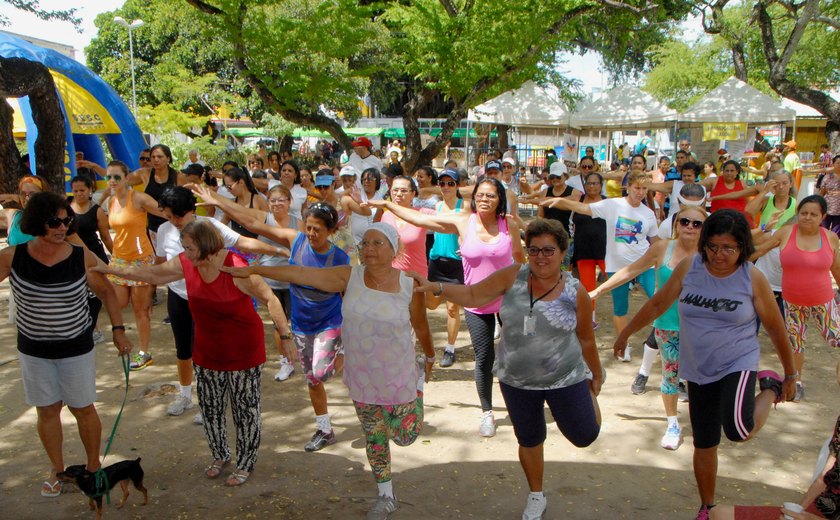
(131, 242)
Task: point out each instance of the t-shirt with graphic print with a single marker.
(628, 229)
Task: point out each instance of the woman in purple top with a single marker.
(489, 242)
(720, 293)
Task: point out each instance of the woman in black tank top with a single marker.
(161, 165)
(239, 183)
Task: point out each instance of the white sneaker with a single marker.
(672, 438)
(198, 419)
(535, 508)
(497, 332)
(382, 508)
(627, 350)
(179, 405)
(286, 370)
(487, 428)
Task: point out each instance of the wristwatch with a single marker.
(285, 336)
(792, 377)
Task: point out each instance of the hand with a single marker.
(594, 294)
(770, 185)
(237, 272)
(102, 268)
(378, 203)
(121, 342)
(619, 347)
(595, 384)
(547, 203)
(209, 196)
(356, 194)
(428, 372)
(421, 284)
(788, 389)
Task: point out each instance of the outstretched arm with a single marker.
(327, 279)
(561, 203)
(442, 223)
(160, 274)
(652, 257)
(474, 295)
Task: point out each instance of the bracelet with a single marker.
(115, 328)
(286, 336)
(439, 291)
(430, 359)
(792, 377)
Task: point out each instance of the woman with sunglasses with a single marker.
(127, 214)
(719, 294)
(54, 341)
(352, 200)
(664, 256)
(489, 241)
(315, 315)
(631, 228)
(547, 352)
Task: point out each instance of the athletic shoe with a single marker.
(627, 350)
(141, 361)
(98, 337)
(487, 428)
(448, 359)
(166, 320)
(800, 392)
(198, 419)
(383, 508)
(683, 392)
(155, 299)
(497, 331)
(672, 438)
(286, 369)
(320, 440)
(535, 508)
(179, 405)
(767, 379)
(639, 385)
(704, 512)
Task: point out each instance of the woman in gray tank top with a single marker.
(547, 351)
(720, 293)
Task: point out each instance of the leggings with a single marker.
(586, 272)
(400, 422)
(181, 323)
(825, 315)
(727, 402)
(481, 327)
(668, 342)
(242, 387)
(94, 305)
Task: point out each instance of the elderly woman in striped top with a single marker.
(55, 331)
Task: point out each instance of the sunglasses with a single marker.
(117, 178)
(546, 251)
(142, 158)
(696, 224)
(55, 222)
(587, 166)
(322, 187)
(448, 183)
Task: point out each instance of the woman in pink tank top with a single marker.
(809, 260)
(489, 242)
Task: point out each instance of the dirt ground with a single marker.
(450, 472)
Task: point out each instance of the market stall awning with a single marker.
(529, 105)
(244, 132)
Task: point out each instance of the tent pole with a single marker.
(794, 126)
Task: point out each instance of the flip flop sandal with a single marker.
(215, 469)
(51, 490)
(237, 478)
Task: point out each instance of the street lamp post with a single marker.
(133, 25)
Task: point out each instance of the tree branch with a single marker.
(627, 7)
(809, 10)
(205, 7)
(449, 7)
(831, 22)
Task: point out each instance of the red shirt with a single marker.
(720, 189)
(229, 334)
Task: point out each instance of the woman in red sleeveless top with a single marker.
(728, 191)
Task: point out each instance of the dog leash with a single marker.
(101, 478)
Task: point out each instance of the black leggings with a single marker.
(94, 305)
(181, 321)
(481, 327)
(727, 402)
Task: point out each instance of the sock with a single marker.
(323, 423)
(647, 360)
(672, 421)
(386, 489)
(186, 391)
(282, 359)
(449, 348)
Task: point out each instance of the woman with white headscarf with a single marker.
(379, 368)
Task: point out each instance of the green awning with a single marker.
(244, 132)
(395, 133)
(460, 133)
(310, 132)
(352, 132)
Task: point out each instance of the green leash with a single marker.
(102, 484)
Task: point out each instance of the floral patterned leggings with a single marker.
(826, 317)
(400, 422)
(668, 342)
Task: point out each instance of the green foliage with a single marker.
(213, 154)
(277, 127)
(32, 6)
(166, 119)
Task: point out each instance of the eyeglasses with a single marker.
(726, 250)
(55, 222)
(117, 178)
(487, 196)
(586, 166)
(143, 158)
(596, 183)
(376, 244)
(450, 184)
(696, 224)
(278, 201)
(546, 251)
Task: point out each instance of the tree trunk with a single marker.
(739, 60)
(502, 132)
(20, 77)
(286, 144)
(9, 157)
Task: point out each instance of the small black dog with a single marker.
(120, 472)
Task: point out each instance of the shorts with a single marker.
(48, 381)
(727, 402)
(621, 294)
(318, 354)
(147, 261)
(446, 270)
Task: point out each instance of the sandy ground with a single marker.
(450, 472)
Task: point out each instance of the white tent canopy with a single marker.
(736, 102)
(623, 107)
(528, 106)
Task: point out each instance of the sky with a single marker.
(579, 67)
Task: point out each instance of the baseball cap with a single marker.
(791, 144)
(324, 180)
(450, 173)
(193, 169)
(348, 171)
(557, 169)
(361, 141)
(508, 160)
(492, 165)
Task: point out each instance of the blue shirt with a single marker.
(313, 310)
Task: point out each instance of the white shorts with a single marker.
(48, 381)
